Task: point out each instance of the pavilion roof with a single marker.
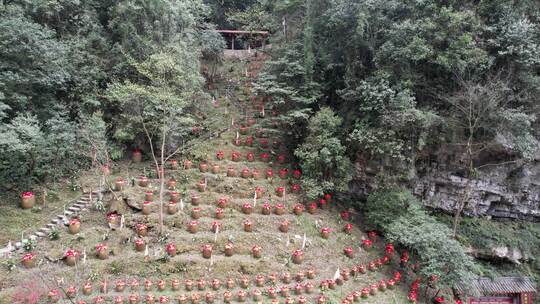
(244, 32)
(499, 285)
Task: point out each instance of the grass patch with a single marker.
(16, 220)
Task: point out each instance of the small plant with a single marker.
(180, 267)
(94, 276)
(73, 184)
(9, 264)
(99, 205)
(183, 178)
(164, 258)
(28, 245)
(184, 190)
(163, 239)
(116, 268)
(54, 234)
(37, 209)
(52, 195)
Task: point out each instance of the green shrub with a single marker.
(382, 206)
(325, 165)
(403, 220)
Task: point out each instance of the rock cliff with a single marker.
(498, 193)
(504, 191)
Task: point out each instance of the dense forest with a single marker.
(390, 89)
(399, 80)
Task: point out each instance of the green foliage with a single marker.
(387, 66)
(92, 133)
(221, 9)
(9, 264)
(480, 114)
(485, 234)
(381, 206)
(212, 45)
(142, 27)
(33, 66)
(53, 235)
(254, 18)
(116, 267)
(322, 156)
(402, 219)
(59, 58)
(159, 103)
(293, 93)
(516, 127)
(28, 245)
(390, 126)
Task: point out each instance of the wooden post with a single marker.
(232, 42)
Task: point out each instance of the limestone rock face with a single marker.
(503, 191)
(501, 253)
(498, 194)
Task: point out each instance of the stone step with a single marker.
(51, 225)
(18, 245)
(68, 213)
(44, 230)
(40, 234)
(56, 221)
(74, 209)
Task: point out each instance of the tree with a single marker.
(94, 144)
(256, 17)
(382, 205)
(36, 154)
(57, 61)
(480, 113)
(160, 107)
(388, 124)
(20, 142)
(33, 68)
(325, 165)
(212, 45)
(221, 9)
(292, 93)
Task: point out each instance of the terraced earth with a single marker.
(237, 195)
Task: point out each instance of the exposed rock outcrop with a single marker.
(501, 253)
(490, 195)
(505, 191)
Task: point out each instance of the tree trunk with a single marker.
(467, 191)
(161, 173)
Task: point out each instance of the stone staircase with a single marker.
(78, 206)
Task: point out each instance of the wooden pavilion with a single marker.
(251, 39)
(501, 290)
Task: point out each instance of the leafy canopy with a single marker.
(322, 156)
